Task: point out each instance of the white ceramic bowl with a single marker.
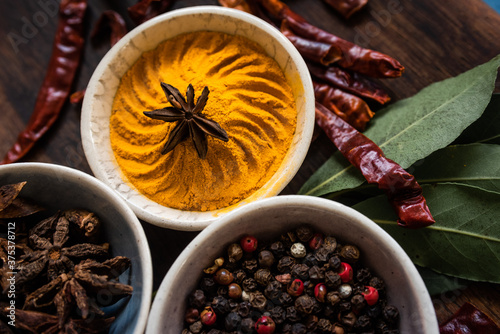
(97, 105)
(57, 187)
(273, 216)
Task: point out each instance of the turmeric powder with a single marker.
(249, 97)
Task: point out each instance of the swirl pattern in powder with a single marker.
(249, 97)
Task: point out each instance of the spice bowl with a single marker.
(270, 218)
(104, 84)
(58, 188)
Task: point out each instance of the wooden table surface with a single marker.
(432, 39)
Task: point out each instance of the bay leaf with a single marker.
(487, 128)
(473, 164)
(465, 240)
(411, 129)
(439, 284)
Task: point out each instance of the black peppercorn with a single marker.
(312, 323)
(358, 303)
(239, 275)
(374, 311)
(197, 299)
(292, 314)
(244, 309)
(250, 265)
(232, 321)
(310, 260)
(325, 326)
(333, 298)
(305, 304)
(299, 328)
(220, 305)
(322, 255)
(363, 324)
(266, 259)
(258, 300)
(344, 307)
(304, 233)
(222, 291)
(348, 320)
(273, 291)
(214, 331)
(285, 264)
(249, 284)
(391, 315)
(278, 249)
(332, 280)
(363, 276)
(330, 243)
(235, 252)
(350, 253)
(378, 284)
(247, 325)
(316, 274)
(278, 314)
(262, 276)
(285, 299)
(288, 239)
(196, 327)
(329, 311)
(334, 263)
(208, 285)
(301, 271)
(286, 329)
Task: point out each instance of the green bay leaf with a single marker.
(473, 164)
(465, 240)
(487, 128)
(411, 129)
(438, 283)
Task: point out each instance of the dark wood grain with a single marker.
(433, 40)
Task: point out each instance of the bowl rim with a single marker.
(136, 227)
(417, 286)
(175, 218)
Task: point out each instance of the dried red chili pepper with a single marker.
(115, 21)
(349, 107)
(346, 7)
(350, 82)
(65, 59)
(356, 58)
(469, 319)
(147, 9)
(403, 191)
(236, 4)
(315, 51)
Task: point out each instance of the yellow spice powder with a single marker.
(249, 97)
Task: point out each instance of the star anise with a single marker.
(81, 288)
(190, 121)
(39, 322)
(49, 255)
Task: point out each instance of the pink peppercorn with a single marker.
(370, 294)
(248, 243)
(295, 288)
(208, 316)
(265, 325)
(346, 272)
